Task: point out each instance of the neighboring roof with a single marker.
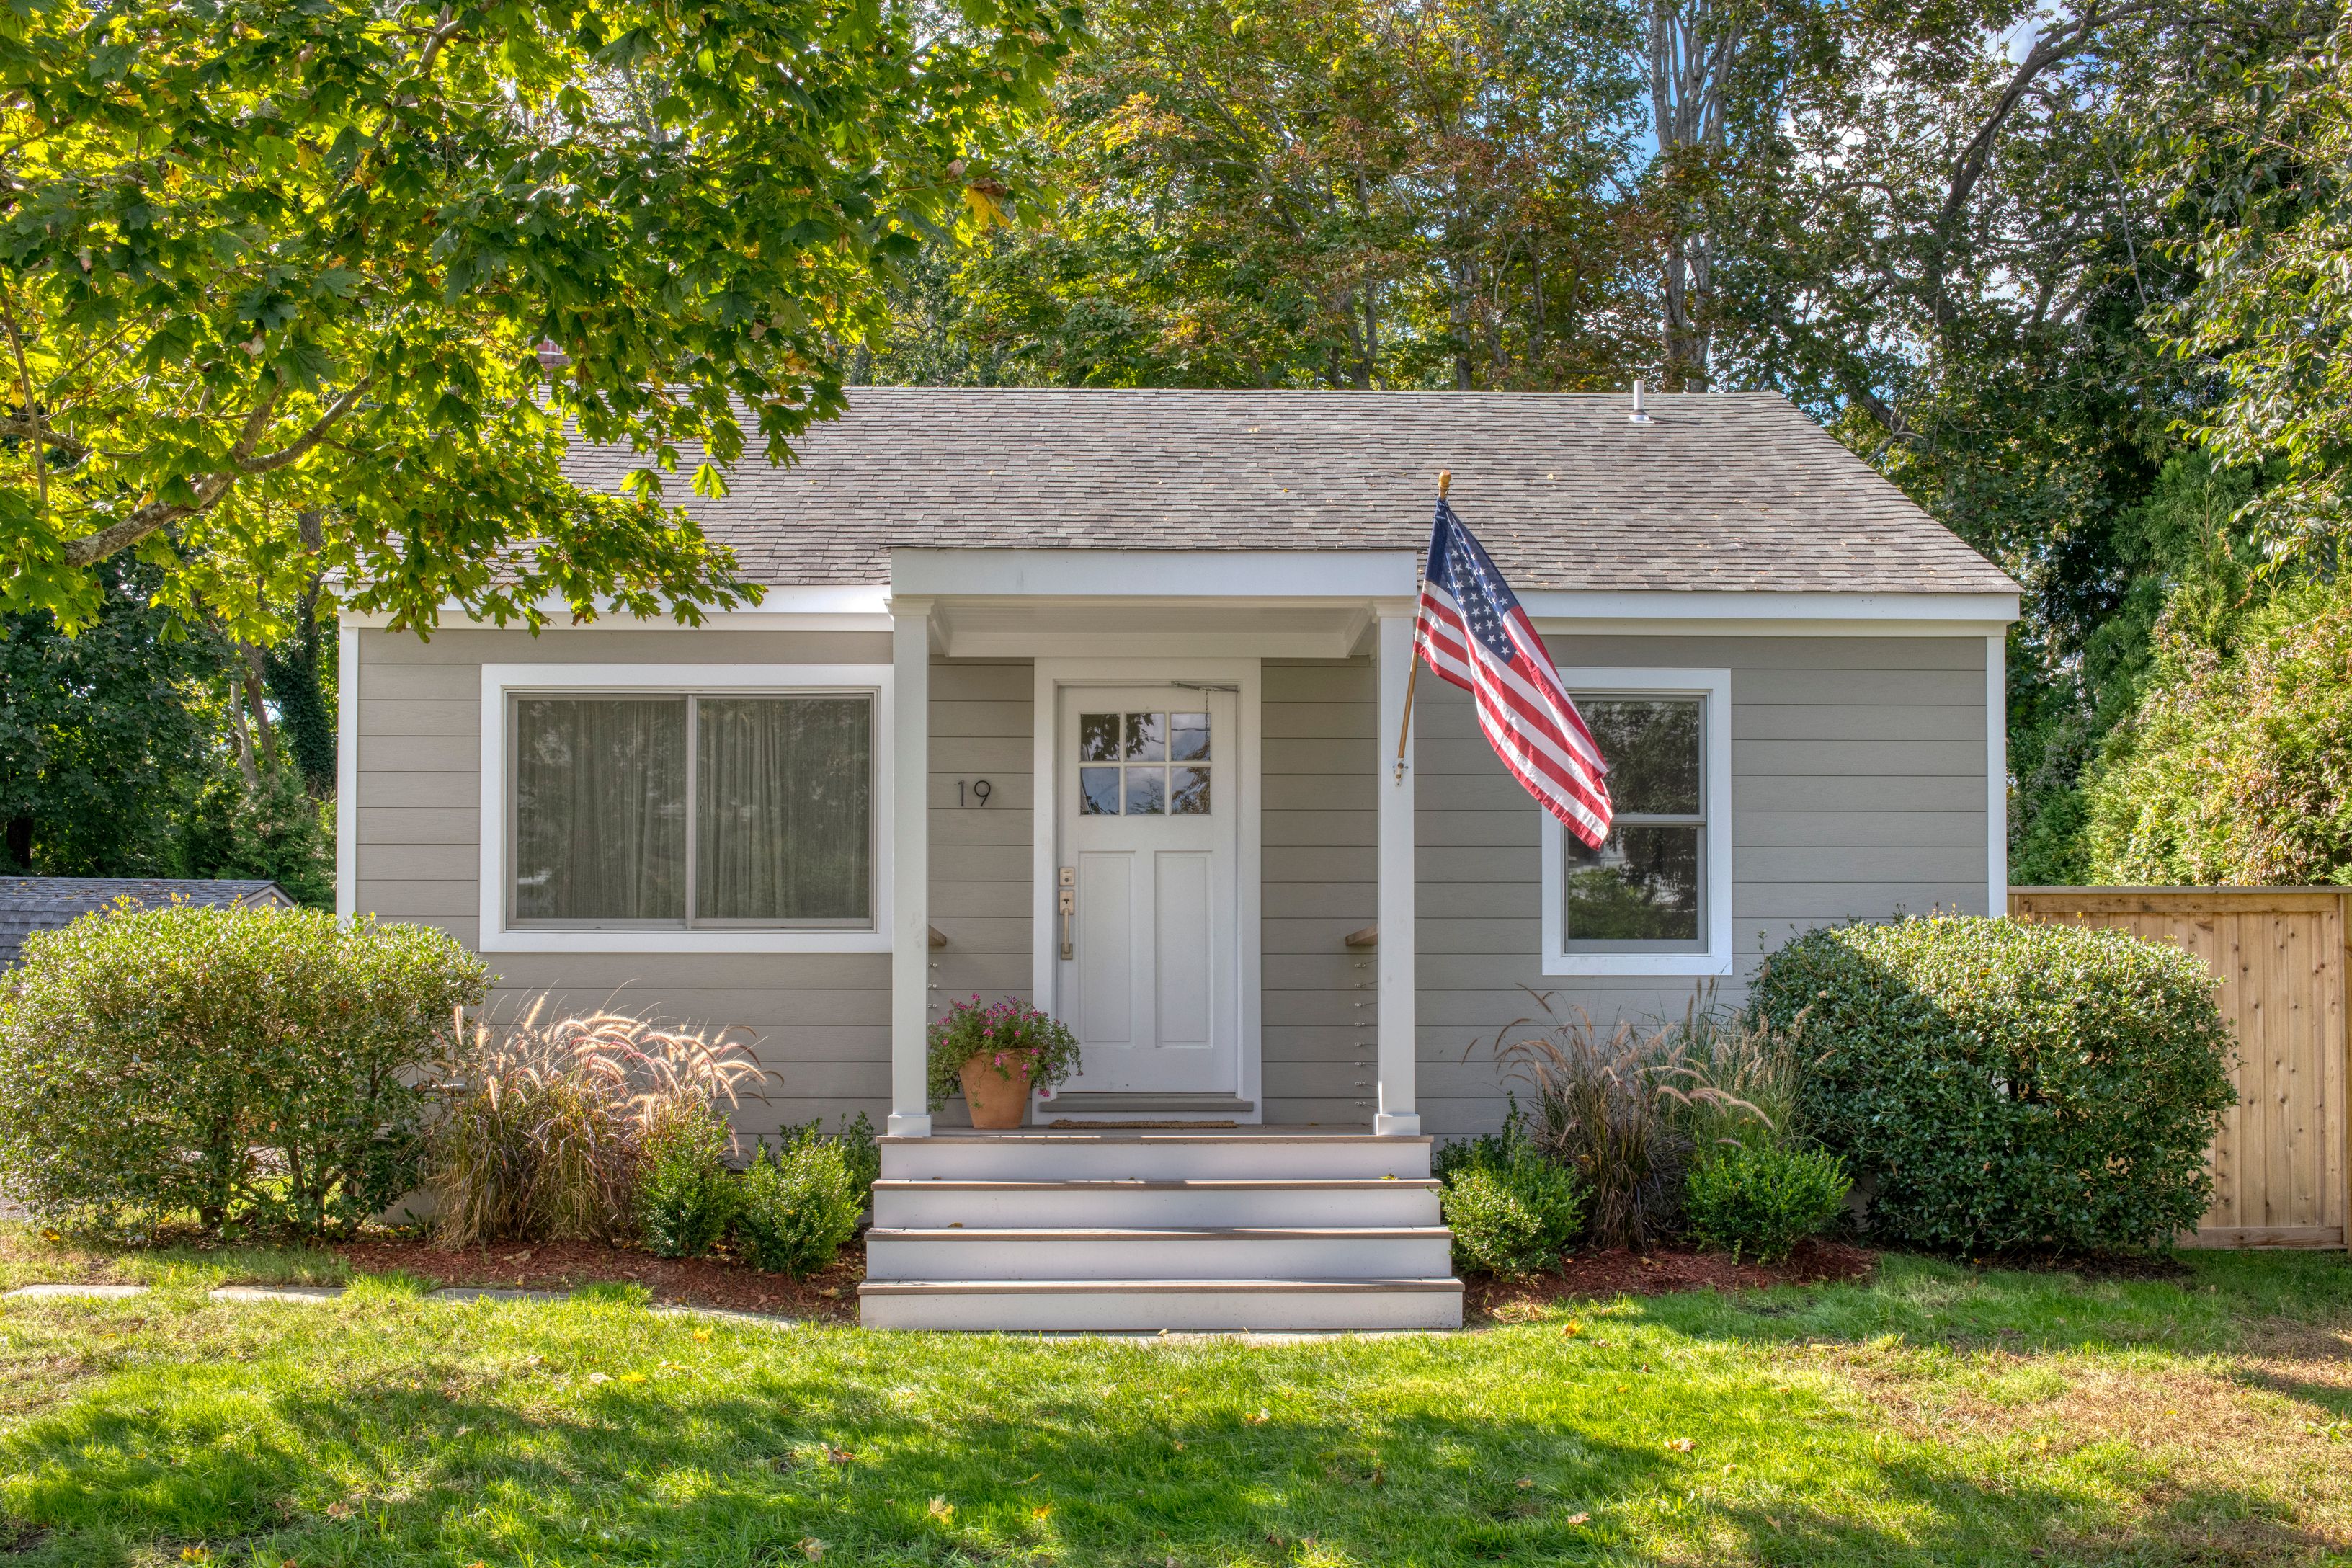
(1737, 490)
(28, 904)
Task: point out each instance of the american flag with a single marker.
(1473, 632)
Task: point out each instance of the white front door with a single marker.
(1149, 971)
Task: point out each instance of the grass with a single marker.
(1933, 1415)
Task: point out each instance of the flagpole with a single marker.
(1413, 670)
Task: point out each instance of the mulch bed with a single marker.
(567, 1265)
(1617, 1272)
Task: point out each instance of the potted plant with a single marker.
(996, 1054)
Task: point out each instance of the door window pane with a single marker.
(1098, 792)
(1640, 885)
(1188, 737)
(1146, 791)
(1147, 737)
(1188, 791)
(1651, 747)
(1099, 737)
(599, 809)
(783, 804)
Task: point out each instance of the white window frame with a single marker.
(1714, 687)
(499, 681)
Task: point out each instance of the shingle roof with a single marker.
(1733, 491)
(28, 904)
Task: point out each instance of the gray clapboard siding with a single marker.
(1319, 882)
(818, 1021)
(982, 725)
(1858, 790)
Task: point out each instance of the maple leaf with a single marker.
(942, 1510)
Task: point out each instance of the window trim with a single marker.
(502, 683)
(1713, 687)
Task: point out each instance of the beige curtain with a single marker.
(599, 808)
(784, 809)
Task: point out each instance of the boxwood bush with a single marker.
(267, 1068)
(2007, 1087)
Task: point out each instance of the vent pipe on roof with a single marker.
(1637, 417)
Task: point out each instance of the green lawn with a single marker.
(1935, 1415)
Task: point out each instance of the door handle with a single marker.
(1067, 902)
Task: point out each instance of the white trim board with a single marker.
(1714, 685)
(1051, 676)
(1997, 774)
(347, 770)
(1956, 611)
(1156, 573)
(499, 680)
(796, 607)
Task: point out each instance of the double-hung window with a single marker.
(1654, 897)
(631, 812)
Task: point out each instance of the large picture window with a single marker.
(647, 810)
(1653, 898)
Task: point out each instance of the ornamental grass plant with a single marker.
(546, 1137)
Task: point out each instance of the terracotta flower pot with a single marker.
(996, 1099)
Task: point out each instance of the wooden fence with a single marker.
(2280, 1164)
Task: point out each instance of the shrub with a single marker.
(2010, 1086)
(1511, 1214)
(545, 1139)
(1758, 1198)
(686, 1193)
(859, 1150)
(799, 1206)
(1607, 1106)
(252, 1068)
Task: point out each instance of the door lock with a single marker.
(1066, 903)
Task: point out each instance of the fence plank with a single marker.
(2279, 1160)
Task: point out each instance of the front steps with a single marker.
(1137, 1231)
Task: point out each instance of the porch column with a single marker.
(910, 864)
(1398, 1116)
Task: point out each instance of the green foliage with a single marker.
(1759, 1197)
(278, 276)
(1006, 1033)
(686, 1194)
(2233, 771)
(859, 1149)
(1609, 1105)
(2008, 1087)
(799, 1204)
(547, 1137)
(247, 1068)
(1512, 1211)
(1328, 192)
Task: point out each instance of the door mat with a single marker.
(1067, 1126)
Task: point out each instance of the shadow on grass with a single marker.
(1038, 1453)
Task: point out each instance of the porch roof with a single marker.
(1730, 492)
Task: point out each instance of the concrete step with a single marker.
(1213, 1202)
(1118, 1155)
(1147, 1306)
(1296, 1252)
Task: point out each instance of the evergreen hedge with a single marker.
(260, 1068)
(2006, 1087)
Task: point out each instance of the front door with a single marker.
(1148, 972)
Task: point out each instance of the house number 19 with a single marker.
(974, 792)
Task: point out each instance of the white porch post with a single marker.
(910, 864)
(1398, 1116)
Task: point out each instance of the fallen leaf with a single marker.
(600, 1377)
(1260, 1419)
(1525, 1482)
(812, 1548)
(1043, 1511)
(701, 1334)
(831, 1292)
(839, 1455)
(338, 1510)
(1681, 1445)
(942, 1510)
(1579, 1517)
(633, 1377)
(1180, 1442)
(1575, 1327)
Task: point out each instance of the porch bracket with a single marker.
(911, 866)
(1398, 1116)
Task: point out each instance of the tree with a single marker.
(1335, 193)
(103, 736)
(303, 287)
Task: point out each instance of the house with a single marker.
(28, 904)
(1094, 698)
